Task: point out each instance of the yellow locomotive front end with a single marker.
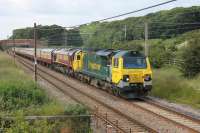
(131, 74)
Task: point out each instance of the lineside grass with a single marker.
(20, 96)
(17, 90)
(169, 84)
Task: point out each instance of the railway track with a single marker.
(151, 117)
(180, 121)
(178, 116)
(122, 123)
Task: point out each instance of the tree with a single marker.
(1, 48)
(191, 58)
(159, 55)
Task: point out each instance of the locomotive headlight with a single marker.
(126, 78)
(147, 77)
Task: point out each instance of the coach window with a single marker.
(116, 62)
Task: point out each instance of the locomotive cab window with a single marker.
(104, 61)
(116, 62)
(134, 62)
(78, 57)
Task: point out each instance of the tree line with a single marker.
(162, 24)
(167, 29)
(53, 35)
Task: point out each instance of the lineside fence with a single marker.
(92, 123)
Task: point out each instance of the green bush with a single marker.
(191, 58)
(40, 126)
(75, 110)
(159, 55)
(20, 94)
(49, 108)
(81, 122)
(17, 90)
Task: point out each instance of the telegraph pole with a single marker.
(146, 47)
(35, 47)
(65, 33)
(14, 46)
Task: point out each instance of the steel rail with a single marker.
(150, 101)
(78, 100)
(74, 98)
(166, 118)
(180, 125)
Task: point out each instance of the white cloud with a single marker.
(22, 13)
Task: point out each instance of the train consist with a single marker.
(124, 73)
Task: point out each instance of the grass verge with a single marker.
(169, 84)
(20, 96)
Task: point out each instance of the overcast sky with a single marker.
(23, 13)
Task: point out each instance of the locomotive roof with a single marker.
(105, 52)
(69, 51)
(128, 53)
